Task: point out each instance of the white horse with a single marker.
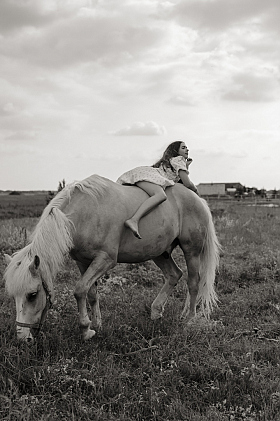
(86, 220)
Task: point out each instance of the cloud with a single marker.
(14, 15)
(21, 136)
(242, 27)
(7, 109)
(149, 128)
(73, 70)
(89, 34)
(182, 100)
(254, 88)
(217, 15)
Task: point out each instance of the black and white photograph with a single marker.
(139, 210)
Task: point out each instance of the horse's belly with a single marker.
(156, 239)
(140, 253)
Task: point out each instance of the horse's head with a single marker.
(32, 296)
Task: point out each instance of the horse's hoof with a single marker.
(155, 315)
(187, 318)
(97, 326)
(89, 334)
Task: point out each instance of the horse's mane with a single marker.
(51, 239)
(94, 185)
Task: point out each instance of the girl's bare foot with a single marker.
(133, 226)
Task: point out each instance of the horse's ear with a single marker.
(36, 261)
(7, 258)
(33, 267)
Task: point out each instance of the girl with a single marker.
(171, 168)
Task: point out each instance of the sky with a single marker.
(102, 86)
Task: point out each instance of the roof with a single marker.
(222, 183)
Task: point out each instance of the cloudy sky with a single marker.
(102, 86)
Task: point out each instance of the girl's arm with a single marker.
(186, 181)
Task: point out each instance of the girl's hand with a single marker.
(189, 161)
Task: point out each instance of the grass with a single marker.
(135, 369)
(22, 205)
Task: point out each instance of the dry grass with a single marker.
(135, 369)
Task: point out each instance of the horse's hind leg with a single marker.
(172, 274)
(193, 264)
(101, 263)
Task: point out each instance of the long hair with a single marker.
(52, 238)
(171, 151)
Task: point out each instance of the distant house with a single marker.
(212, 189)
(273, 194)
(219, 189)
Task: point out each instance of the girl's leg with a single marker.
(157, 196)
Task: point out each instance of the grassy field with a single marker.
(22, 205)
(135, 369)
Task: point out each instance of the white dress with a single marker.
(160, 176)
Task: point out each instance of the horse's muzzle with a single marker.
(34, 329)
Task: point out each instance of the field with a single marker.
(22, 205)
(136, 369)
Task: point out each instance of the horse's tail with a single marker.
(209, 261)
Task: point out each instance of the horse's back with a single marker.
(99, 220)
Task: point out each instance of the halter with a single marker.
(48, 306)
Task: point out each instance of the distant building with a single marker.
(219, 189)
(212, 189)
(273, 194)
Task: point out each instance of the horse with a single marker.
(86, 221)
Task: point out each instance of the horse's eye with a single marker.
(32, 296)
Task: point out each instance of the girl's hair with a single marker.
(171, 151)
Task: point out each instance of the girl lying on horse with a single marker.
(171, 168)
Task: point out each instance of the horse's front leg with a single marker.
(93, 299)
(101, 263)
